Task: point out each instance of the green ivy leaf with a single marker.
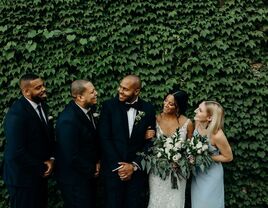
(31, 46)
(83, 41)
(70, 37)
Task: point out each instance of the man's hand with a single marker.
(126, 171)
(150, 133)
(97, 169)
(50, 165)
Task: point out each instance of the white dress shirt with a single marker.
(131, 114)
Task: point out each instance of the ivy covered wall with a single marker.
(212, 49)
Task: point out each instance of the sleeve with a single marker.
(148, 143)
(16, 148)
(68, 146)
(108, 150)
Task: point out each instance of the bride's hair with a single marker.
(215, 110)
(181, 99)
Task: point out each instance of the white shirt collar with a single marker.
(33, 104)
(83, 109)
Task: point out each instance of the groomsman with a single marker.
(124, 121)
(28, 156)
(77, 147)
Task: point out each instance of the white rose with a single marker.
(169, 140)
(169, 147)
(167, 150)
(199, 151)
(168, 155)
(176, 157)
(205, 147)
(159, 154)
(178, 144)
(199, 145)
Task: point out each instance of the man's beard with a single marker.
(38, 99)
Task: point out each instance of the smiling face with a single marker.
(201, 113)
(89, 96)
(35, 90)
(128, 89)
(170, 106)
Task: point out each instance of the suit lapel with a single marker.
(123, 115)
(31, 111)
(136, 124)
(82, 116)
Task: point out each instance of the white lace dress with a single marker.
(161, 193)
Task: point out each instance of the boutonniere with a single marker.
(96, 115)
(139, 116)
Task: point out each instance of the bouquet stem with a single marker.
(174, 184)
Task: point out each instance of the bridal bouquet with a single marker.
(166, 157)
(198, 153)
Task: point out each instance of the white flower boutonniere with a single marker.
(139, 116)
(96, 115)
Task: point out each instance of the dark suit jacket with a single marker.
(76, 146)
(116, 145)
(29, 144)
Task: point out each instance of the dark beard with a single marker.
(38, 99)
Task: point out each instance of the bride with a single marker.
(172, 118)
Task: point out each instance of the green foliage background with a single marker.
(212, 49)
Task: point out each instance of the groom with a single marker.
(123, 123)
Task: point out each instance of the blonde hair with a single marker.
(215, 110)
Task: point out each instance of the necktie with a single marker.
(91, 118)
(39, 108)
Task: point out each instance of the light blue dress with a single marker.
(207, 189)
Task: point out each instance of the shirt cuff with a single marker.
(136, 165)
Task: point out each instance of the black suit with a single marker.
(77, 155)
(118, 146)
(29, 144)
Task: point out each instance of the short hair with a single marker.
(78, 87)
(26, 78)
(216, 111)
(181, 100)
(137, 78)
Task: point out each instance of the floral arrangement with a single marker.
(167, 156)
(139, 116)
(198, 153)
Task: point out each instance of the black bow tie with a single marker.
(131, 105)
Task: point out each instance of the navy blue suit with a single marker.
(29, 144)
(118, 146)
(77, 155)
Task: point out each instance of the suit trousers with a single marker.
(126, 194)
(30, 197)
(79, 196)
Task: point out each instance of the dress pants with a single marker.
(126, 194)
(29, 197)
(79, 196)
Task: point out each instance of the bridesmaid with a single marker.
(207, 189)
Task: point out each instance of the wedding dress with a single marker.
(161, 193)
